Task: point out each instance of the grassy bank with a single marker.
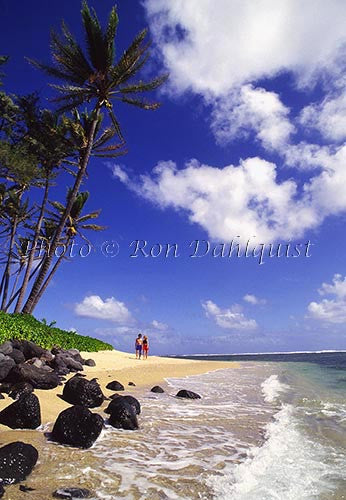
(22, 326)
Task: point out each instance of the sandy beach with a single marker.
(124, 367)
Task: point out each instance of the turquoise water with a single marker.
(304, 453)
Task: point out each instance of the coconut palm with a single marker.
(19, 260)
(76, 225)
(3, 60)
(48, 137)
(15, 212)
(96, 78)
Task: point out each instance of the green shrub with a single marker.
(26, 327)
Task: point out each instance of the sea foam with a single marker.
(272, 388)
(289, 466)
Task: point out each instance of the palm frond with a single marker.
(141, 103)
(144, 86)
(93, 227)
(110, 34)
(91, 215)
(94, 38)
(116, 124)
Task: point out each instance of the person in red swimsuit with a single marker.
(145, 346)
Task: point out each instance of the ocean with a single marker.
(271, 429)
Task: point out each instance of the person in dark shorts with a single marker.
(145, 347)
(138, 346)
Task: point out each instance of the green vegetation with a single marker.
(24, 326)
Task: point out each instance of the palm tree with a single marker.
(15, 212)
(3, 60)
(93, 77)
(47, 136)
(76, 224)
(19, 258)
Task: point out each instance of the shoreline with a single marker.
(124, 367)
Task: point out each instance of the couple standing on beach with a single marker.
(142, 344)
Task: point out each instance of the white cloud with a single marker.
(231, 318)
(111, 309)
(331, 310)
(248, 199)
(252, 299)
(220, 50)
(210, 47)
(252, 109)
(328, 117)
(243, 200)
(159, 326)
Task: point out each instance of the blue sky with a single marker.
(249, 144)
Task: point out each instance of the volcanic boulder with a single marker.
(22, 414)
(123, 415)
(37, 377)
(78, 427)
(129, 399)
(17, 356)
(29, 349)
(90, 362)
(6, 365)
(188, 394)
(16, 462)
(6, 347)
(157, 389)
(115, 386)
(83, 392)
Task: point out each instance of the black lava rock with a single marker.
(72, 493)
(2, 491)
(20, 389)
(123, 415)
(80, 391)
(6, 365)
(24, 488)
(129, 399)
(29, 349)
(78, 427)
(16, 462)
(132, 384)
(63, 360)
(89, 362)
(188, 394)
(6, 348)
(22, 414)
(5, 387)
(17, 356)
(1, 396)
(38, 378)
(157, 389)
(115, 386)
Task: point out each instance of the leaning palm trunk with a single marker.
(33, 249)
(7, 272)
(51, 274)
(18, 273)
(36, 292)
(14, 296)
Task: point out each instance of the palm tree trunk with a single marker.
(13, 297)
(52, 272)
(19, 272)
(7, 272)
(33, 248)
(33, 297)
